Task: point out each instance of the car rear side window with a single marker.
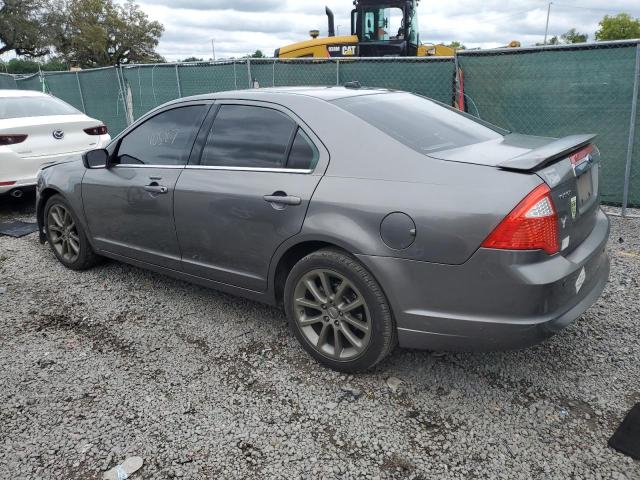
(303, 155)
(39, 106)
(165, 139)
(248, 137)
(418, 122)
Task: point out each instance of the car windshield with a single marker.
(19, 107)
(425, 125)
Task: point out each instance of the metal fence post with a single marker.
(178, 82)
(337, 72)
(274, 73)
(632, 133)
(235, 75)
(121, 87)
(249, 71)
(84, 110)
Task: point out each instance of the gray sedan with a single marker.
(374, 217)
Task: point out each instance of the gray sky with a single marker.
(242, 26)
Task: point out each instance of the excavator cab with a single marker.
(386, 27)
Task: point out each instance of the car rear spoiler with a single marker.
(542, 156)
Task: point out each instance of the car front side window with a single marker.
(164, 139)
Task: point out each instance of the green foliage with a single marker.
(573, 36)
(98, 33)
(258, 54)
(457, 45)
(25, 27)
(618, 27)
(192, 59)
(22, 66)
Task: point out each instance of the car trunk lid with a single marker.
(569, 166)
(41, 140)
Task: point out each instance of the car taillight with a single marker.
(7, 184)
(12, 139)
(581, 154)
(101, 130)
(532, 225)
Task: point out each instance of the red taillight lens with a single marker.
(577, 157)
(12, 139)
(7, 184)
(532, 225)
(101, 130)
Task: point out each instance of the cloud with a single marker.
(242, 26)
(238, 5)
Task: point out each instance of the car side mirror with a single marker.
(96, 159)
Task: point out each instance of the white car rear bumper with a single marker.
(22, 172)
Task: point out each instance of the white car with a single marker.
(37, 130)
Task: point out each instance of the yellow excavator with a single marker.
(379, 28)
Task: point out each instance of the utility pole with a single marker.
(546, 30)
(213, 48)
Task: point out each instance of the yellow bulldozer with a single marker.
(379, 28)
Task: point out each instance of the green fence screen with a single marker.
(552, 92)
(560, 92)
(7, 81)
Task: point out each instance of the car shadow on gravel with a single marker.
(17, 208)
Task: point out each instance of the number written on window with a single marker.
(165, 139)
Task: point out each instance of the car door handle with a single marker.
(283, 200)
(157, 189)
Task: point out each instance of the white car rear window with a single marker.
(20, 107)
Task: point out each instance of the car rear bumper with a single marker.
(497, 300)
(24, 170)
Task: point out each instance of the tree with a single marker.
(573, 36)
(258, 54)
(457, 45)
(22, 66)
(24, 27)
(192, 59)
(619, 27)
(98, 33)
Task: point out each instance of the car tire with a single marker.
(66, 236)
(349, 330)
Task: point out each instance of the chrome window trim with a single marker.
(128, 165)
(250, 169)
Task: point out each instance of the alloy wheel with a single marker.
(332, 314)
(63, 233)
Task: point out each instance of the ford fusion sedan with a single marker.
(38, 130)
(373, 217)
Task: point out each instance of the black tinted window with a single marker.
(245, 136)
(165, 139)
(418, 122)
(304, 154)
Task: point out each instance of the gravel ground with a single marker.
(115, 362)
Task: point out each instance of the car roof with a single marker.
(323, 93)
(21, 93)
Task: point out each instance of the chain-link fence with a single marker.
(548, 91)
(153, 85)
(7, 81)
(557, 92)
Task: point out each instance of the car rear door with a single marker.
(129, 207)
(254, 170)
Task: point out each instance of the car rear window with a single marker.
(422, 124)
(20, 107)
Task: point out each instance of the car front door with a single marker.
(129, 207)
(255, 172)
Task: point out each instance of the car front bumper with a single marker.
(497, 300)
